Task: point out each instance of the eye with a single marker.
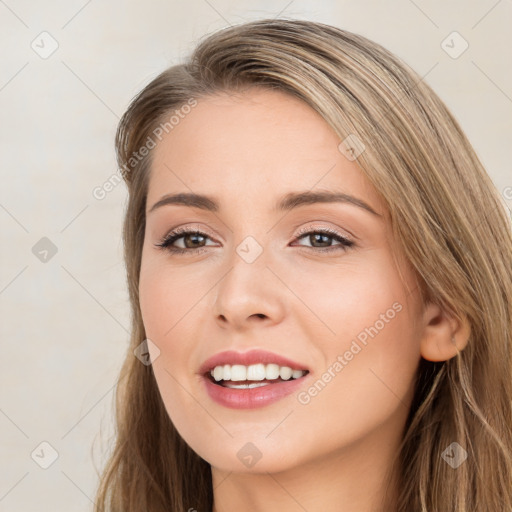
(190, 238)
(325, 236)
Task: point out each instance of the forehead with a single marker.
(252, 147)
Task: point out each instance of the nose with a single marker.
(249, 295)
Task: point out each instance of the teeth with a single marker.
(255, 372)
(285, 372)
(246, 386)
(218, 372)
(239, 372)
(272, 371)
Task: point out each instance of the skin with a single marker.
(333, 453)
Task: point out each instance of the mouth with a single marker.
(251, 379)
(253, 376)
(249, 393)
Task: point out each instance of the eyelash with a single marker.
(171, 237)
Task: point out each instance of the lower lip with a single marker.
(251, 398)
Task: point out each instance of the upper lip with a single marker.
(247, 358)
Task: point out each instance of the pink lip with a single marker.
(251, 398)
(247, 358)
(255, 397)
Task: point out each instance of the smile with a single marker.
(252, 393)
(259, 374)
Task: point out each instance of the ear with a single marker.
(443, 334)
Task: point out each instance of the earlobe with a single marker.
(443, 335)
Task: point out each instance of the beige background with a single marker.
(64, 322)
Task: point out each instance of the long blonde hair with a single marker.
(446, 215)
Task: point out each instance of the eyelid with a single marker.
(186, 228)
(345, 243)
(190, 227)
(344, 233)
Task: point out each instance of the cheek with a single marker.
(165, 299)
(171, 307)
(349, 297)
(363, 327)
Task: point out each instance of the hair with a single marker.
(446, 215)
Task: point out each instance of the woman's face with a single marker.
(262, 277)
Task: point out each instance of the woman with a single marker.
(320, 280)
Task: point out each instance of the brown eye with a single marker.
(192, 240)
(324, 237)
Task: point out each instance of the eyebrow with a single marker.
(286, 203)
